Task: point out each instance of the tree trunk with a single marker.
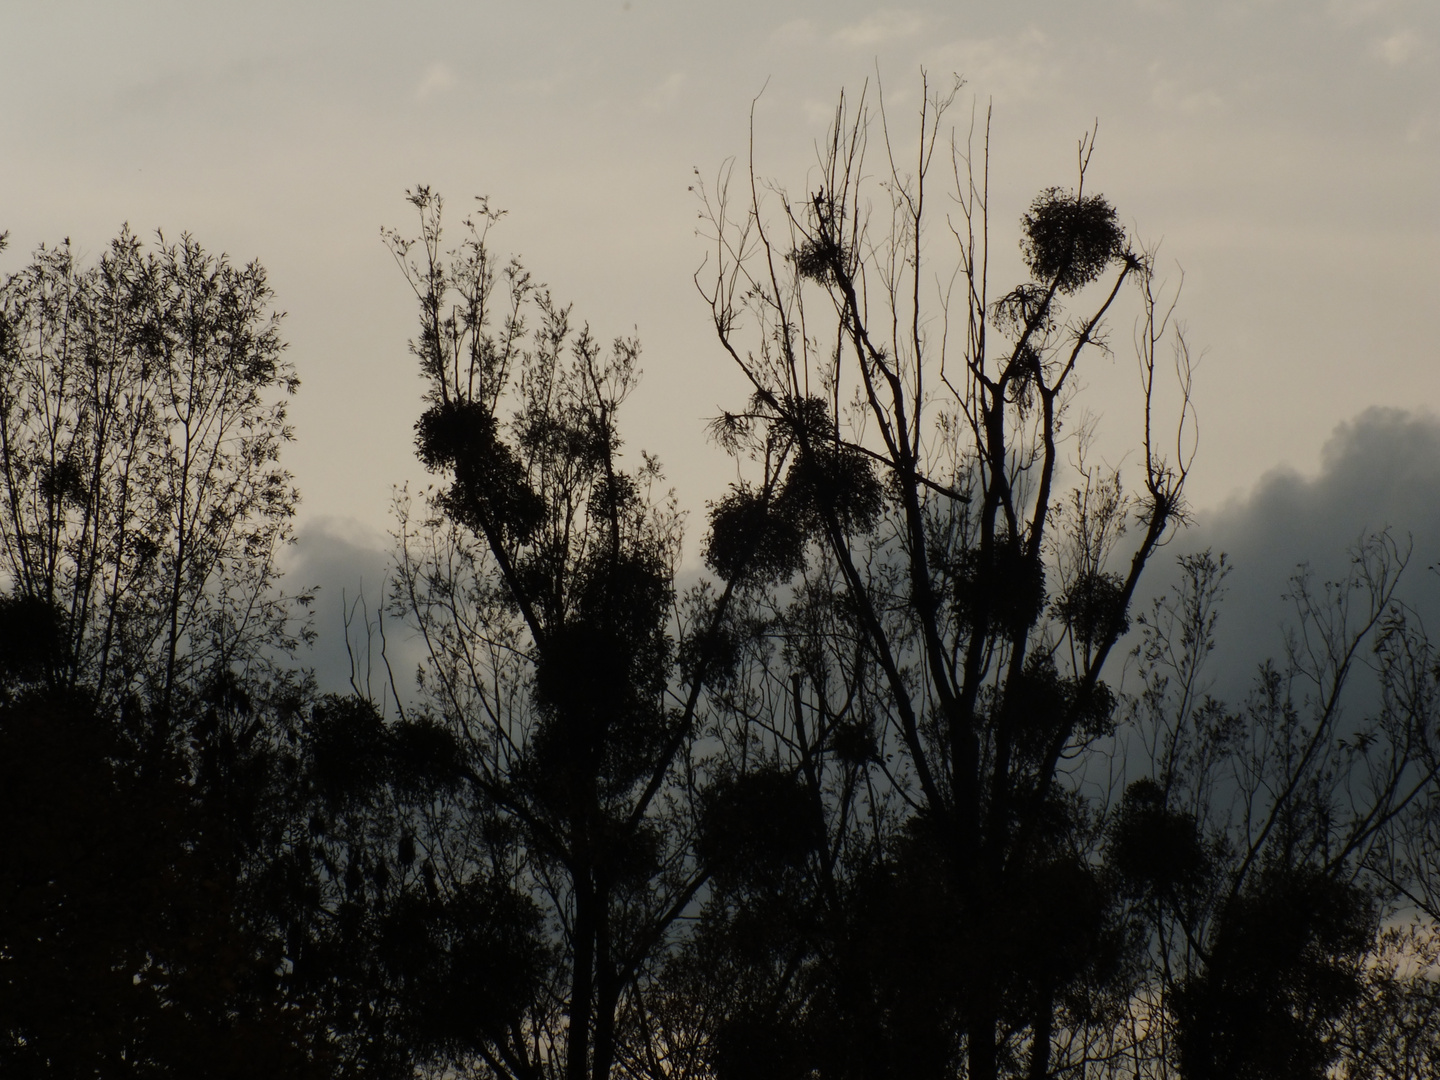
(1041, 1026)
(982, 1051)
(582, 982)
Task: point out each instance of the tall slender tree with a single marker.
(541, 578)
(958, 580)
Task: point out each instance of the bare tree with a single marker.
(1270, 838)
(910, 461)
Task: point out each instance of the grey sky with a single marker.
(1287, 152)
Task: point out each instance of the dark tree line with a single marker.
(870, 799)
(143, 705)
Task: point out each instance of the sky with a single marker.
(1286, 154)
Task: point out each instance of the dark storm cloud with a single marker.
(351, 567)
(1380, 470)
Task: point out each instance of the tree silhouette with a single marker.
(130, 940)
(142, 412)
(543, 585)
(143, 705)
(1273, 825)
(946, 608)
(868, 800)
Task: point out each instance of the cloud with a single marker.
(1004, 68)
(1398, 49)
(664, 96)
(351, 565)
(1171, 95)
(195, 88)
(1351, 12)
(793, 32)
(1379, 470)
(818, 111)
(437, 79)
(884, 25)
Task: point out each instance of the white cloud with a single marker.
(794, 32)
(663, 97)
(437, 79)
(884, 25)
(1171, 96)
(1016, 67)
(1397, 49)
(351, 564)
(818, 111)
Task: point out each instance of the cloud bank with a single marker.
(1380, 470)
(351, 566)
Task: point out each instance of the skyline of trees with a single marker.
(870, 799)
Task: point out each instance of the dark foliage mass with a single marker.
(1284, 966)
(907, 786)
(757, 826)
(491, 489)
(1068, 240)
(128, 946)
(762, 534)
(752, 535)
(1156, 851)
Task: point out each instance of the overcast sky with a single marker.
(1287, 152)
